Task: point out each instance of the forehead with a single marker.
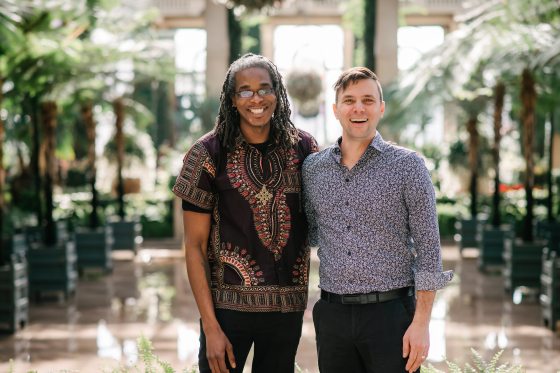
(362, 87)
(252, 76)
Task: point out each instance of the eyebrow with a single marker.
(365, 96)
(263, 84)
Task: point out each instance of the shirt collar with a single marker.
(376, 143)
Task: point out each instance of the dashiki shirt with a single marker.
(258, 250)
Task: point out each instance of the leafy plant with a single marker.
(480, 366)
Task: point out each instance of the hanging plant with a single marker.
(253, 4)
(309, 109)
(304, 85)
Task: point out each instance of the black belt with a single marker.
(373, 297)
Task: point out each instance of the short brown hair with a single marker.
(352, 76)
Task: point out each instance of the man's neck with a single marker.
(352, 150)
(256, 135)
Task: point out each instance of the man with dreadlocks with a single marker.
(246, 249)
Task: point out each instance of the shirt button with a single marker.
(347, 203)
(347, 180)
(348, 227)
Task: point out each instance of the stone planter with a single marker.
(550, 289)
(523, 261)
(13, 245)
(93, 248)
(492, 246)
(468, 232)
(34, 234)
(127, 234)
(14, 300)
(52, 269)
(549, 231)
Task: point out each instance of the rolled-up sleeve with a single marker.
(422, 216)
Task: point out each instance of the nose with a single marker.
(256, 97)
(359, 107)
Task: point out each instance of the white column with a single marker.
(267, 40)
(348, 48)
(217, 47)
(387, 25)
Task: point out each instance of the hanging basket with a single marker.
(309, 109)
(254, 4)
(304, 85)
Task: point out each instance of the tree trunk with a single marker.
(473, 163)
(234, 33)
(549, 180)
(370, 20)
(528, 101)
(33, 109)
(499, 93)
(48, 116)
(89, 122)
(118, 108)
(2, 171)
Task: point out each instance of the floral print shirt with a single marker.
(376, 224)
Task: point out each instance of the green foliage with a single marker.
(448, 211)
(480, 366)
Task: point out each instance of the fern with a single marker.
(480, 366)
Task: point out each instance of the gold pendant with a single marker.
(263, 196)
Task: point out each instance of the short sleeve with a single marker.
(195, 181)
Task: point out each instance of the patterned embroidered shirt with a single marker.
(258, 250)
(376, 224)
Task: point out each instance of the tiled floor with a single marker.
(96, 330)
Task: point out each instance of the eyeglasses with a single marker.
(261, 92)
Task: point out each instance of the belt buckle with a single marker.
(350, 299)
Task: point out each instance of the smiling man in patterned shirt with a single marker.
(371, 211)
(246, 243)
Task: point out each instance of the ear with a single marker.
(382, 109)
(335, 111)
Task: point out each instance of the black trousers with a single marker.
(362, 337)
(275, 335)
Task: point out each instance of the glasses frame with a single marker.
(261, 92)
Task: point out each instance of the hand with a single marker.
(217, 347)
(416, 344)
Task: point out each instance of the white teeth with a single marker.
(257, 111)
(358, 120)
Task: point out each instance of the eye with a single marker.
(265, 91)
(245, 94)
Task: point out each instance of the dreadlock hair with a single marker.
(282, 131)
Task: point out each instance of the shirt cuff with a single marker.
(432, 280)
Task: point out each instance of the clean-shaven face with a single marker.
(255, 111)
(358, 109)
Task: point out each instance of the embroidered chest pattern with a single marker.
(265, 194)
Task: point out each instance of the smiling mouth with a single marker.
(364, 120)
(257, 111)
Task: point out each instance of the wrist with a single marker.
(210, 326)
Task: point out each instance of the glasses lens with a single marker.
(264, 91)
(245, 94)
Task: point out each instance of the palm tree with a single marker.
(11, 37)
(499, 94)
(505, 38)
